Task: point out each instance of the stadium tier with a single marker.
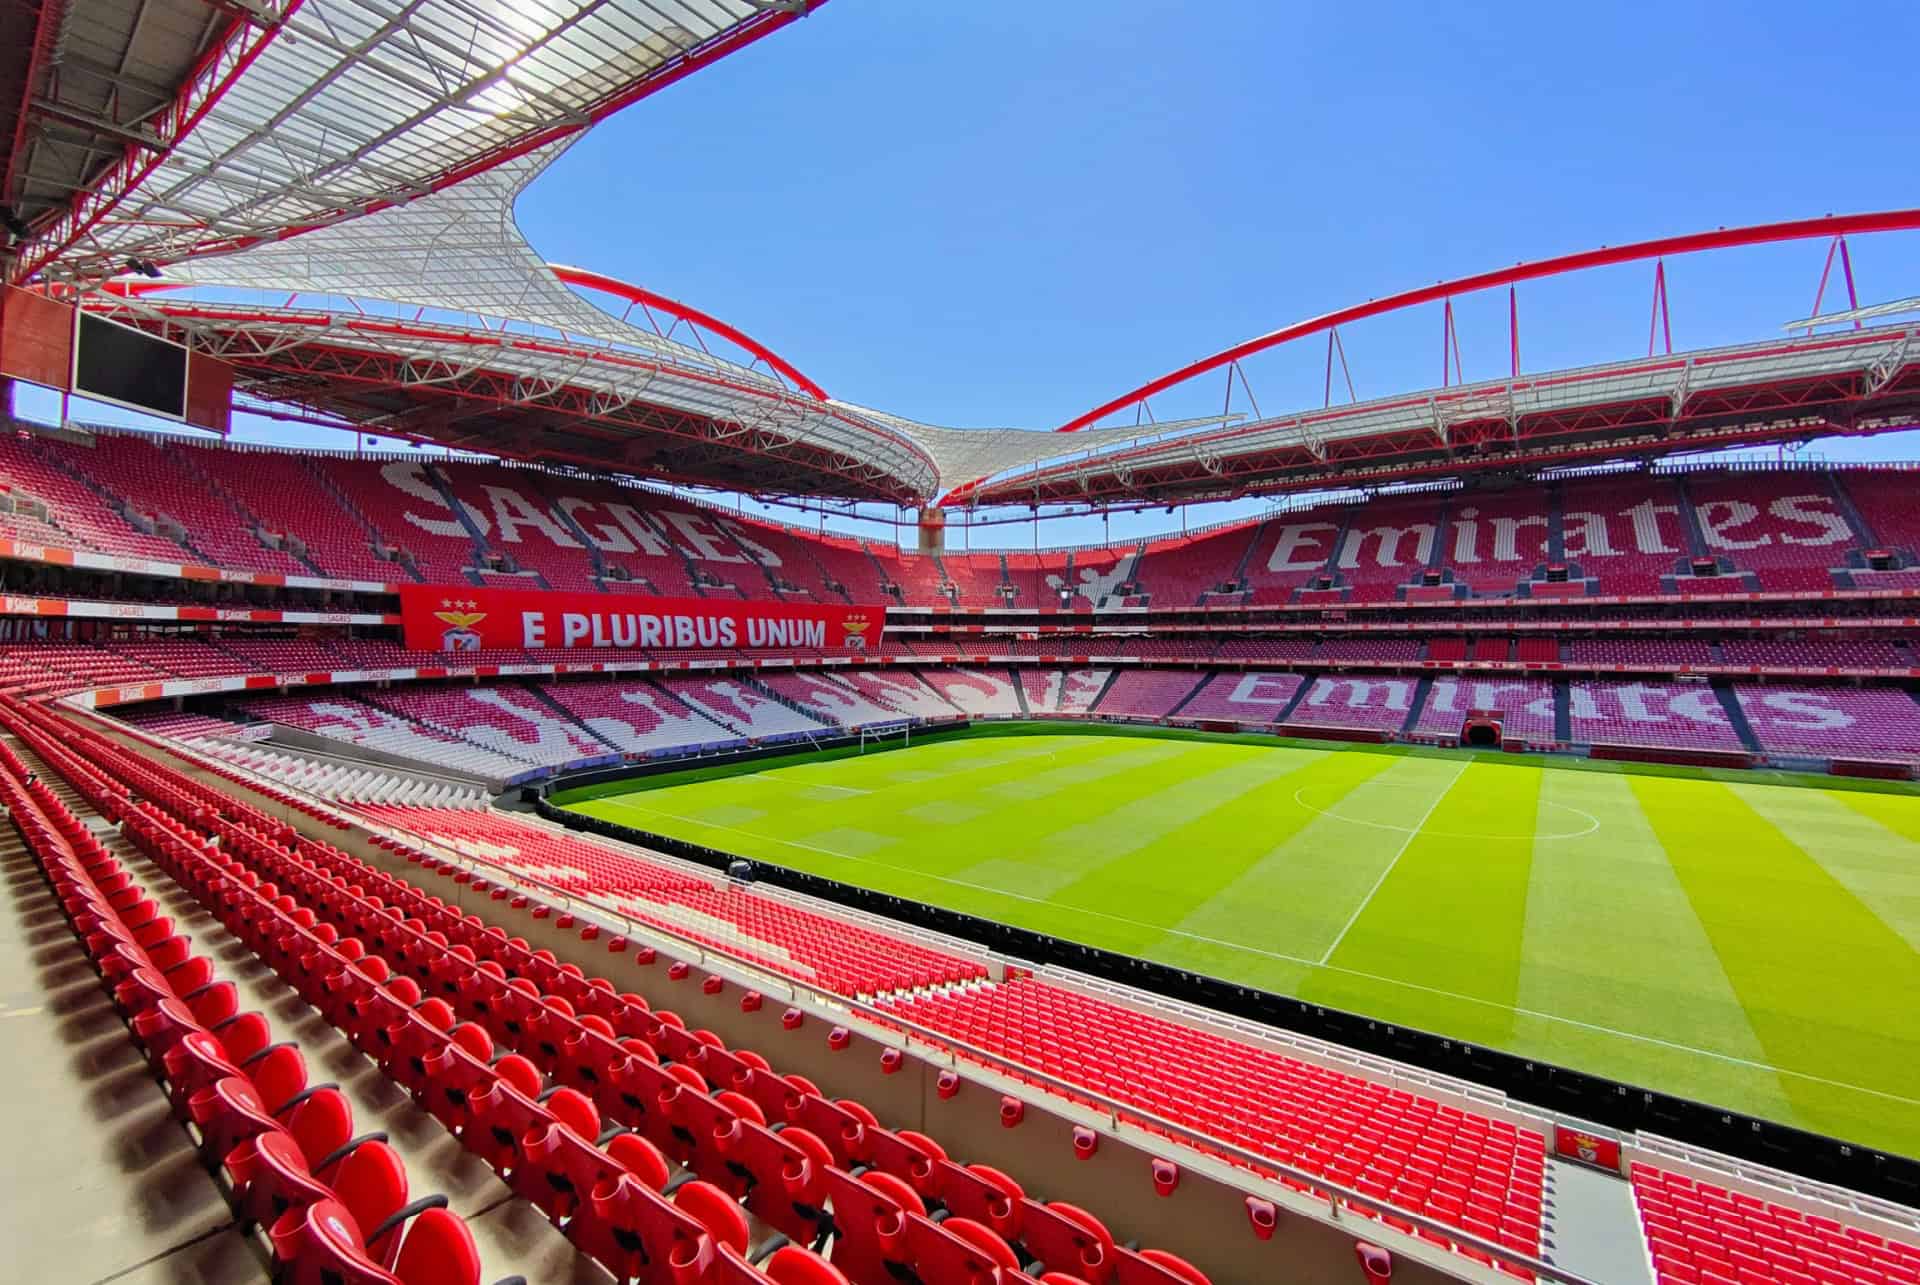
(410, 760)
(1480, 1175)
(616, 813)
(403, 519)
(1700, 1233)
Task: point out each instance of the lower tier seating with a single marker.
(1482, 1175)
(1702, 1234)
(583, 1100)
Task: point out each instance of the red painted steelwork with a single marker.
(1718, 239)
(674, 308)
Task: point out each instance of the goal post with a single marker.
(881, 735)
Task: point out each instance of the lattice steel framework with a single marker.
(307, 113)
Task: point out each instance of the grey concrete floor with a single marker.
(109, 1187)
(105, 1185)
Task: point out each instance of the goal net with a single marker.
(878, 736)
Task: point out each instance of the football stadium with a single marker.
(507, 778)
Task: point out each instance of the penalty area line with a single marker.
(1244, 949)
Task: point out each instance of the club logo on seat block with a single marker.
(460, 619)
(854, 626)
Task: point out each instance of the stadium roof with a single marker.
(262, 119)
(331, 184)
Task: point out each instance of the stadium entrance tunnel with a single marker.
(1481, 734)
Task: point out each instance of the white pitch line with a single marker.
(1400, 852)
(1244, 949)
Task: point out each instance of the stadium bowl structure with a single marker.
(1497, 863)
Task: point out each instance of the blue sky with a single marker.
(1002, 213)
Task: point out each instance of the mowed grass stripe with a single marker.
(1226, 824)
(868, 839)
(1288, 905)
(1827, 985)
(1450, 913)
(799, 815)
(1613, 948)
(1043, 827)
(1871, 843)
(1135, 825)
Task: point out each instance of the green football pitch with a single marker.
(1752, 942)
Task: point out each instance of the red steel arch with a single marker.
(674, 308)
(1718, 239)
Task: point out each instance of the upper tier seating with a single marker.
(1148, 693)
(81, 516)
(1495, 539)
(1177, 570)
(1037, 578)
(1624, 532)
(154, 477)
(917, 576)
(636, 717)
(1096, 576)
(283, 491)
(1883, 581)
(1872, 722)
(1062, 691)
(406, 511)
(1387, 544)
(1786, 527)
(517, 519)
(1699, 1233)
(1884, 500)
(1252, 697)
(1678, 715)
(1525, 706)
(977, 577)
(1479, 1174)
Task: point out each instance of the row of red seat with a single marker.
(832, 953)
(335, 1206)
(1480, 1174)
(705, 1107)
(500, 1109)
(1702, 1234)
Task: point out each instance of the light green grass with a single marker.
(1748, 941)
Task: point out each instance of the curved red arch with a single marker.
(1718, 239)
(674, 308)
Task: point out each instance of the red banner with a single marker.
(443, 618)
